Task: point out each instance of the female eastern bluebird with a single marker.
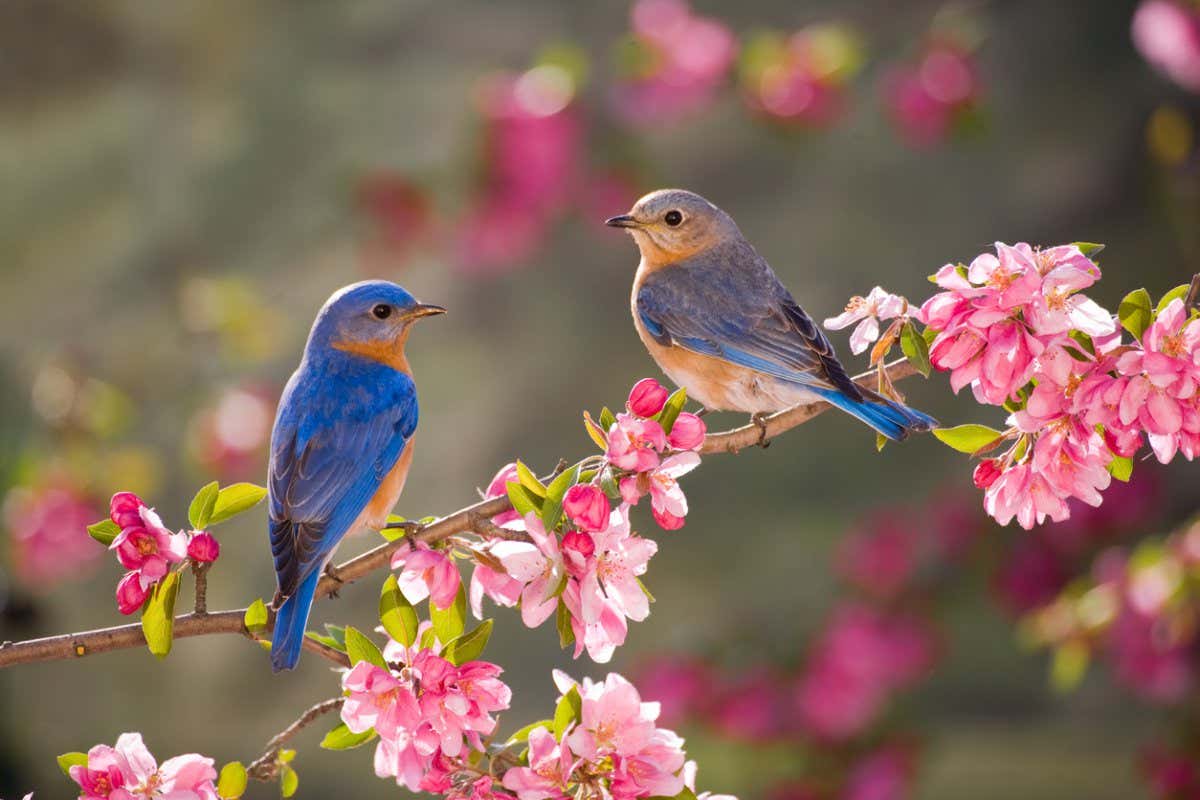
(342, 442)
(718, 321)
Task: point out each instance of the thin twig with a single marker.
(74, 645)
(200, 574)
(1193, 293)
(266, 766)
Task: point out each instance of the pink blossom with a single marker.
(203, 548)
(549, 770)
(458, 702)
(1056, 308)
(867, 312)
(1167, 33)
(652, 772)
(230, 437)
(47, 531)
(1022, 493)
(601, 636)
(688, 432)
(634, 444)
(501, 587)
(128, 770)
(499, 488)
(587, 506)
(538, 567)
(131, 593)
(144, 544)
(613, 720)
(647, 398)
(667, 499)
(577, 549)
(1007, 363)
(611, 580)
(426, 572)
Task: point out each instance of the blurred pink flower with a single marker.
(1172, 774)
(230, 437)
(925, 99)
(1167, 33)
(1148, 657)
(48, 535)
(587, 507)
(647, 398)
(682, 686)
(1031, 576)
(425, 572)
(402, 212)
(885, 774)
(751, 708)
(800, 80)
(880, 556)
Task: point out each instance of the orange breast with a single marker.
(385, 351)
(375, 515)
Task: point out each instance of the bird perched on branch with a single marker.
(719, 323)
(342, 443)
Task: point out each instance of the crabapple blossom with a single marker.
(144, 543)
(128, 771)
(688, 432)
(647, 398)
(203, 548)
(425, 572)
(538, 567)
(867, 313)
(634, 444)
(131, 593)
(587, 506)
(551, 765)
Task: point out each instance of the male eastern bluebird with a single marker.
(718, 321)
(342, 442)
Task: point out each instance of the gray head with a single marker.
(670, 225)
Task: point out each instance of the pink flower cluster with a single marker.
(1016, 329)
(46, 530)
(801, 80)
(149, 550)
(1167, 33)
(429, 714)
(675, 63)
(926, 99)
(128, 771)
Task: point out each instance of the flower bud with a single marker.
(578, 542)
(986, 473)
(647, 397)
(124, 510)
(203, 548)
(688, 432)
(130, 594)
(587, 506)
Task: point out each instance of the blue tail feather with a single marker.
(290, 624)
(891, 419)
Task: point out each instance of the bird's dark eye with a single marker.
(381, 311)
(673, 218)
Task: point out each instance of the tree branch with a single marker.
(266, 766)
(471, 518)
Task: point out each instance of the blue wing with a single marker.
(728, 304)
(337, 435)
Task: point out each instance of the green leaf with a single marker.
(595, 432)
(234, 499)
(289, 781)
(342, 738)
(555, 492)
(1069, 665)
(68, 760)
(158, 616)
(201, 510)
(1179, 292)
(969, 438)
(915, 348)
(523, 734)
(360, 648)
(670, 412)
(562, 621)
(427, 638)
(104, 531)
(567, 712)
(1089, 249)
(398, 616)
(256, 616)
(231, 784)
(529, 480)
(880, 442)
(523, 501)
(335, 637)
(1134, 312)
(1121, 468)
(469, 646)
(449, 623)
(606, 419)
(392, 534)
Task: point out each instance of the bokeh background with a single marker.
(185, 183)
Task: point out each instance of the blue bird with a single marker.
(342, 443)
(719, 323)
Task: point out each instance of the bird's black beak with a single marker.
(425, 310)
(622, 221)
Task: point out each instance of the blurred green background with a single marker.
(180, 198)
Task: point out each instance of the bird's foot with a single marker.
(333, 575)
(759, 419)
(408, 526)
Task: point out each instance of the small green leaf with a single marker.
(392, 534)
(1069, 665)
(255, 619)
(598, 435)
(670, 412)
(523, 501)
(529, 480)
(1121, 468)
(969, 438)
(342, 738)
(398, 616)
(1179, 292)
(469, 646)
(567, 712)
(427, 638)
(523, 734)
(606, 419)
(289, 781)
(555, 492)
(201, 510)
(915, 348)
(360, 648)
(449, 623)
(1134, 312)
(104, 531)
(158, 615)
(68, 760)
(1089, 249)
(880, 442)
(231, 784)
(562, 621)
(234, 499)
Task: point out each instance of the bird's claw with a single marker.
(759, 419)
(408, 526)
(332, 574)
